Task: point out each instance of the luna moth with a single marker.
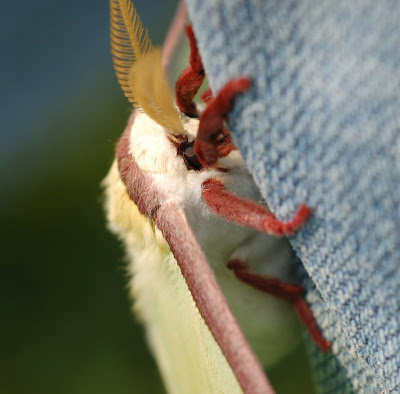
(205, 252)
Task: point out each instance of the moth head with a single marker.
(156, 150)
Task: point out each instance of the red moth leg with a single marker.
(191, 79)
(213, 117)
(212, 120)
(248, 213)
(286, 291)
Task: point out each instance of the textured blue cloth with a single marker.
(321, 126)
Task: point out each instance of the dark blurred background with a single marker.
(65, 318)
(65, 321)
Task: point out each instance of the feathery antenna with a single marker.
(139, 69)
(129, 41)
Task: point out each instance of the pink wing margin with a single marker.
(174, 33)
(194, 266)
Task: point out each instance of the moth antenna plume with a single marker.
(139, 69)
(129, 41)
(148, 80)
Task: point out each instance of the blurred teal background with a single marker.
(65, 317)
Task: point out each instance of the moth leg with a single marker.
(248, 213)
(213, 117)
(191, 79)
(286, 291)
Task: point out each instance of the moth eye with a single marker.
(220, 137)
(186, 150)
(189, 151)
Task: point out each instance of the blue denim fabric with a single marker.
(321, 126)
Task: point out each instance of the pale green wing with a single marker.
(189, 359)
(187, 354)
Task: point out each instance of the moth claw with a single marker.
(273, 226)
